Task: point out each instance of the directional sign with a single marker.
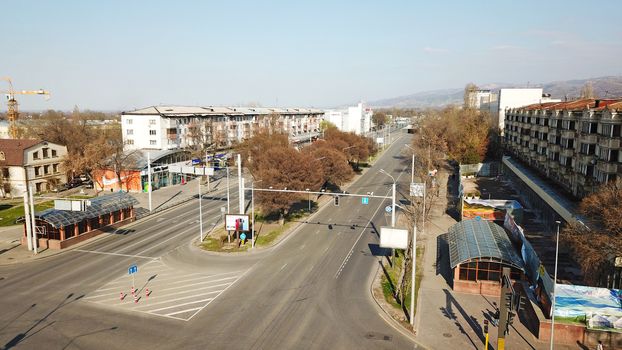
(133, 269)
(364, 200)
(388, 209)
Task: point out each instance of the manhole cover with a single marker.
(446, 335)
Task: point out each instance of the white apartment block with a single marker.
(172, 127)
(512, 98)
(355, 119)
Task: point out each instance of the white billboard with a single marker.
(393, 238)
(237, 222)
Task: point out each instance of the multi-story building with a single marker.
(356, 119)
(577, 144)
(177, 127)
(33, 163)
(498, 103)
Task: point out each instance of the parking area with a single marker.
(164, 291)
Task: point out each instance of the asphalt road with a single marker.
(311, 291)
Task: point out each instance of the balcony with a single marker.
(533, 154)
(585, 158)
(606, 167)
(526, 126)
(543, 143)
(553, 164)
(567, 152)
(542, 158)
(554, 148)
(588, 138)
(553, 132)
(607, 142)
(543, 128)
(568, 134)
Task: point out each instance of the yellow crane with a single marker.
(12, 110)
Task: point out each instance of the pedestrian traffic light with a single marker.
(336, 201)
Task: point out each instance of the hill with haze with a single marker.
(604, 87)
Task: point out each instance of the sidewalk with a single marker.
(449, 320)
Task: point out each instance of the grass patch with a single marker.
(12, 211)
(575, 319)
(267, 238)
(389, 280)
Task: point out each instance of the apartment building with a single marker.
(356, 119)
(33, 163)
(178, 127)
(576, 144)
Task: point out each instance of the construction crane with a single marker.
(12, 110)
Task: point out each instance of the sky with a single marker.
(123, 55)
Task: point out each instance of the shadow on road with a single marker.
(448, 311)
(442, 259)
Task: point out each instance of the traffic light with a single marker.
(508, 299)
(485, 326)
(336, 201)
(520, 302)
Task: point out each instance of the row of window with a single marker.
(131, 142)
(131, 121)
(47, 169)
(45, 153)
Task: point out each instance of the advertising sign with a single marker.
(393, 238)
(237, 222)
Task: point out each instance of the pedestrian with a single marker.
(599, 346)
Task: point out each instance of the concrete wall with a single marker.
(509, 98)
(572, 334)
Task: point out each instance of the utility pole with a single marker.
(207, 167)
(503, 308)
(148, 177)
(412, 276)
(33, 223)
(228, 205)
(27, 220)
(393, 205)
(554, 286)
(200, 212)
(240, 184)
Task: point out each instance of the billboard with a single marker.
(393, 238)
(237, 222)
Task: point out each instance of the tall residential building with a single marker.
(478, 98)
(355, 119)
(577, 144)
(178, 127)
(509, 98)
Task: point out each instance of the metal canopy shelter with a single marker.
(99, 206)
(481, 240)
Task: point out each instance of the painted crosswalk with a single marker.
(164, 291)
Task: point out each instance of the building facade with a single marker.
(356, 119)
(576, 144)
(31, 163)
(178, 127)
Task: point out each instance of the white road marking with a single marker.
(149, 303)
(283, 267)
(116, 254)
(183, 311)
(183, 304)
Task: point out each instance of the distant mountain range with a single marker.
(604, 87)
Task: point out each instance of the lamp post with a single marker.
(392, 197)
(200, 212)
(308, 198)
(228, 205)
(412, 167)
(253, 213)
(554, 285)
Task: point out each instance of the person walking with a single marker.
(599, 346)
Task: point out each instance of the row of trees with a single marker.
(274, 162)
(89, 147)
(596, 247)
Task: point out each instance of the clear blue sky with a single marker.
(130, 54)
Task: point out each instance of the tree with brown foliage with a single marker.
(596, 245)
(334, 164)
(379, 118)
(280, 168)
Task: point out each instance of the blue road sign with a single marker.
(243, 236)
(365, 200)
(388, 208)
(132, 269)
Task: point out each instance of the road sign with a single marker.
(388, 209)
(364, 200)
(417, 189)
(243, 236)
(393, 238)
(133, 269)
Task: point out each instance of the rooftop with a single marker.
(13, 150)
(179, 111)
(477, 239)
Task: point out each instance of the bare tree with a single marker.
(587, 91)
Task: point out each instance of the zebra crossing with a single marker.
(164, 291)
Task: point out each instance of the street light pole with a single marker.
(412, 166)
(35, 241)
(554, 285)
(200, 212)
(412, 276)
(309, 199)
(392, 197)
(228, 205)
(148, 177)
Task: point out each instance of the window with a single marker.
(129, 142)
(38, 171)
(2, 156)
(153, 142)
(35, 155)
(55, 168)
(54, 153)
(46, 169)
(152, 132)
(46, 153)
(129, 121)
(152, 121)
(129, 132)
